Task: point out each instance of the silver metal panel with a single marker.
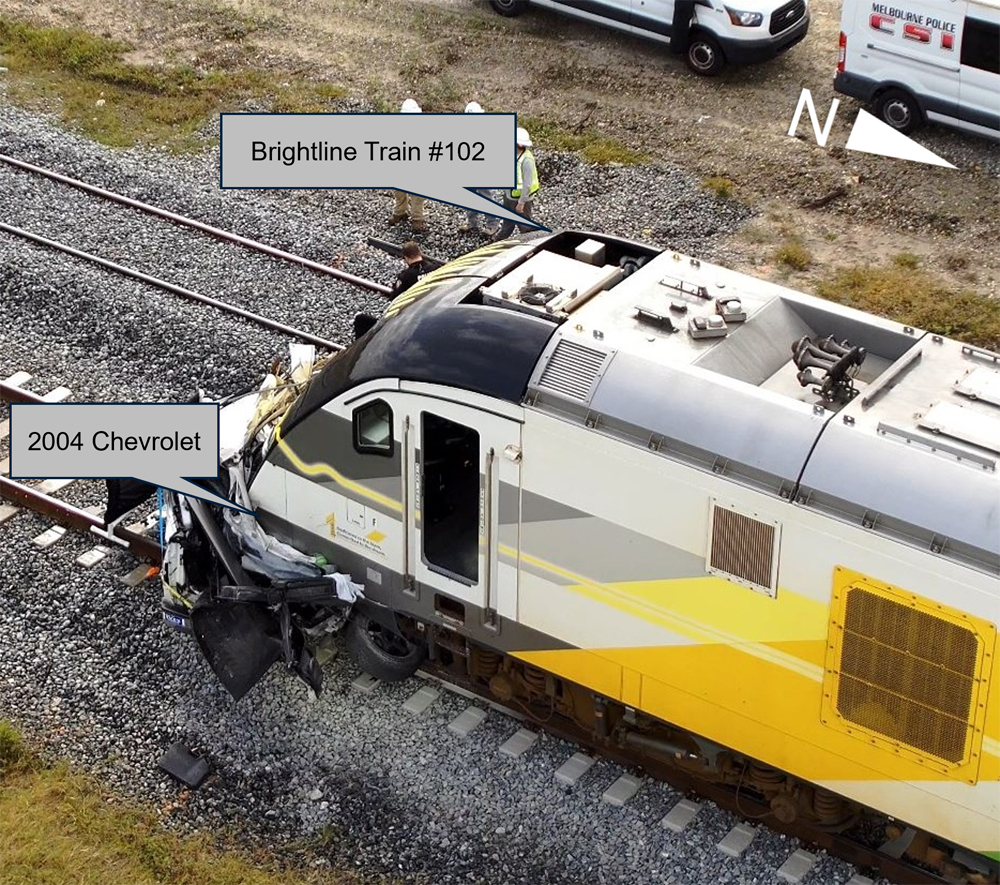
(735, 405)
(960, 423)
(945, 497)
(982, 384)
(733, 420)
(566, 276)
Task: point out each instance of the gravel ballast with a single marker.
(92, 675)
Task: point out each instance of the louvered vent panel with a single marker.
(743, 547)
(907, 675)
(572, 369)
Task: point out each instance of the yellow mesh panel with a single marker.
(907, 674)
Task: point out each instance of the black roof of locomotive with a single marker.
(439, 338)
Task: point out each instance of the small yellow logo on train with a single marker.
(331, 521)
(375, 536)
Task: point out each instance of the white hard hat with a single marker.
(523, 139)
(474, 107)
(410, 107)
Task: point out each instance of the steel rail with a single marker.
(171, 287)
(395, 250)
(66, 514)
(184, 221)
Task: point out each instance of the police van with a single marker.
(709, 33)
(916, 61)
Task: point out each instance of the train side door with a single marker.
(460, 463)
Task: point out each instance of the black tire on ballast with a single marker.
(382, 653)
(704, 55)
(509, 8)
(900, 110)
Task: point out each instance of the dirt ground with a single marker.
(446, 52)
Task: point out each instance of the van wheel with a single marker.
(509, 8)
(704, 55)
(382, 653)
(899, 109)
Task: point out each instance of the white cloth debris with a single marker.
(346, 588)
(234, 421)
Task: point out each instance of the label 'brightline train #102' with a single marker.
(443, 157)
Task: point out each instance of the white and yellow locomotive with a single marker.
(690, 510)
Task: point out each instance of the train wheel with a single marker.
(382, 653)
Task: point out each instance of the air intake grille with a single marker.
(907, 675)
(743, 548)
(572, 370)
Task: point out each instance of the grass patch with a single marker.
(589, 144)
(121, 104)
(757, 233)
(907, 260)
(910, 296)
(793, 254)
(720, 186)
(13, 755)
(59, 828)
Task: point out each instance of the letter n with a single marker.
(806, 100)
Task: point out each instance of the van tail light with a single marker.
(842, 55)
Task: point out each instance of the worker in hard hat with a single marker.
(479, 222)
(409, 205)
(521, 197)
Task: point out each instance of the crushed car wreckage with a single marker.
(249, 599)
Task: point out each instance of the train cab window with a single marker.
(373, 428)
(450, 506)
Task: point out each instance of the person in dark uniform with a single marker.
(680, 27)
(414, 270)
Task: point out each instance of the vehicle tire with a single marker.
(704, 54)
(899, 109)
(382, 653)
(509, 8)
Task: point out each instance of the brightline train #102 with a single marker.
(743, 529)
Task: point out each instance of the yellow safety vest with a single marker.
(520, 183)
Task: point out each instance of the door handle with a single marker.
(490, 621)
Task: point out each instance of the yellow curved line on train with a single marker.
(323, 469)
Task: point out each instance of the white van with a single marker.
(921, 60)
(709, 33)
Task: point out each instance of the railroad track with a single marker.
(41, 497)
(190, 224)
(140, 539)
